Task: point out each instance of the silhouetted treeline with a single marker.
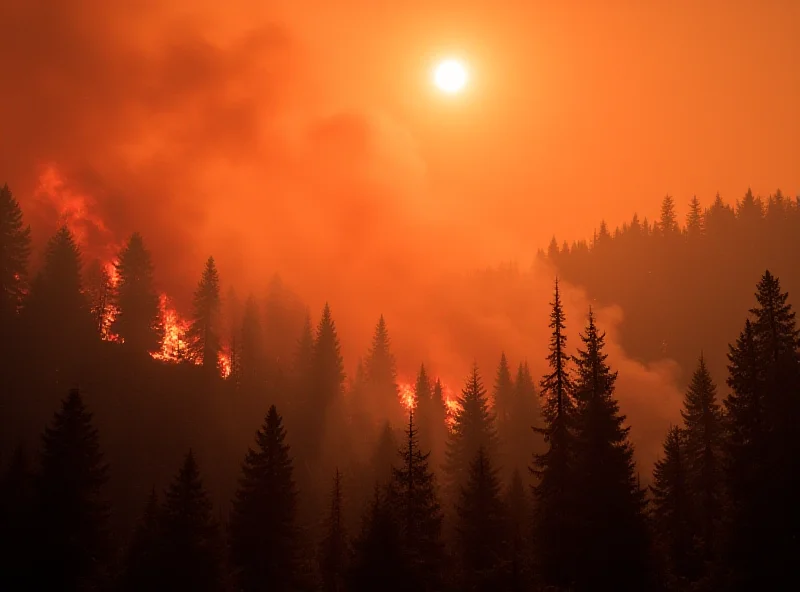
(682, 284)
(234, 454)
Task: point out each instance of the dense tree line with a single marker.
(682, 284)
(344, 488)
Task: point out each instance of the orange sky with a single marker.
(305, 138)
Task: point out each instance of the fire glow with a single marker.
(174, 346)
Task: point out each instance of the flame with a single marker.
(174, 345)
(407, 397)
(111, 311)
(224, 362)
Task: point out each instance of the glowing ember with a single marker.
(451, 404)
(110, 310)
(224, 362)
(407, 397)
(174, 346)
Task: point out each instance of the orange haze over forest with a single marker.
(306, 138)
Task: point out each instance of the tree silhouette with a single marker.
(191, 546)
(668, 223)
(672, 512)
(335, 551)
(425, 412)
(413, 498)
(762, 449)
(554, 504)
(481, 527)
(694, 219)
(517, 519)
(57, 307)
(204, 345)
(384, 456)
(524, 417)
(503, 396)
(71, 513)
(381, 374)
(610, 505)
(137, 321)
(251, 350)
(473, 428)
(262, 525)
(703, 431)
(15, 249)
(327, 380)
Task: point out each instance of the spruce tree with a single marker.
(263, 535)
(71, 512)
(327, 381)
(473, 428)
(57, 308)
(334, 550)
(303, 366)
(668, 222)
(481, 528)
(381, 374)
(413, 498)
(190, 553)
(203, 335)
(503, 398)
(440, 431)
(610, 505)
(379, 561)
(762, 450)
(694, 219)
(424, 411)
(15, 249)
(553, 518)
(143, 567)
(138, 318)
(525, 416)
(703, 430)
(383, 457)
(672, 512)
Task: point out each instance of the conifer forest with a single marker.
(234, 449)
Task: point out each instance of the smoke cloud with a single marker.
(209, 131)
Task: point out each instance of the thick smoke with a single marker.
(205, 130)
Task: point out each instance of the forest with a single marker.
(230, 451)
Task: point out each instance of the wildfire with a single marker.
(174, 346)
(407, 397)
(110, 310)
(224, 362)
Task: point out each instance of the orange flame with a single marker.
(407, 396)
(111, 311)
(174, 345)
(224, 362)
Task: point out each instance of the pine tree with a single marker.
(143, 557)
(381, 374)
(334, 551)
(190, 554)
(668, 222)
(703, 429)
(57, 307)
(327, 381)
(439, 426)
(413, 497)
(473, 428)
(504, 399)
(553, 493)
(138, 320)
(262, 526)
(71, 514)
(204, 345)
(425, 412)
(763, 452)
(610, 504)
(524, 417)
(383, 457)
(694, 219)
(480, 527)
(303, 365)
(15, 249)
(672, 512)
(379, 561)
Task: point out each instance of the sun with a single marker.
(450, 76)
